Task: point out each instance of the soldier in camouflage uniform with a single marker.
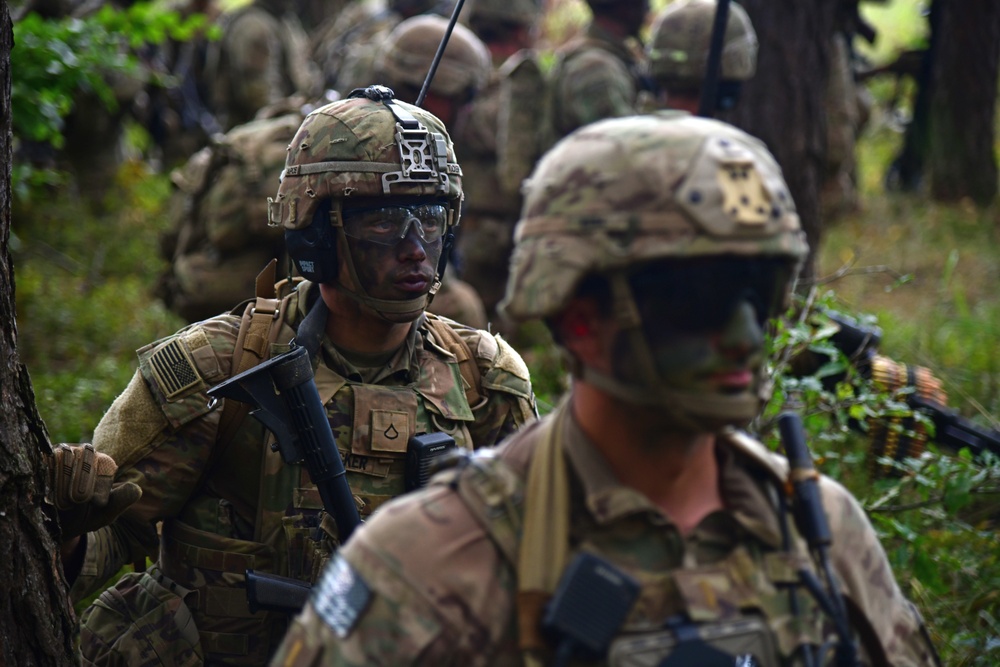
(656, 248)
(346, 45)
(370, 193)
(500, 128)
(677, 53)
(597, 75)
(260, 59)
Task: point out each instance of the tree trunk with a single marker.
(37, 624)
(783, 105)
(963, 101)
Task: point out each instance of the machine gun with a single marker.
(285, 399)
(898, 438)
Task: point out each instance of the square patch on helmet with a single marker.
(744, 198)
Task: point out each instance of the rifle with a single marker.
(285, 399)
(926, 396)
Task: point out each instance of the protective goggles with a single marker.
(388, 225)
(700, 295)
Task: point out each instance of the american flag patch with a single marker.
(173, 370)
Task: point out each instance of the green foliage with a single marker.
(82, 298)
(56, 61)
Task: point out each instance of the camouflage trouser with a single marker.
(142, 621)
(485, 244)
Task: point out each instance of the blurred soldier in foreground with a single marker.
(402, 63)
(597, 75)
(678, 48)
(636, 525)
(369, 196)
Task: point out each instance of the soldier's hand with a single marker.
(84, 491)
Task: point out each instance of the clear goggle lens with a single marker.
(388, 225)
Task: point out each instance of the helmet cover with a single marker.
(681, 37)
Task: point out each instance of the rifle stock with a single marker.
(285, 399)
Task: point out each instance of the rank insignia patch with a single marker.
(341, 596)
(173, 369)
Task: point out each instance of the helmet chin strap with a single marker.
(689, 411)
(391, 310)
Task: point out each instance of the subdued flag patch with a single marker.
(341, 596)
(173, 369)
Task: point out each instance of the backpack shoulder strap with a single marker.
(468, 365)
(258, 330)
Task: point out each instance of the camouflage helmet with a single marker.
(368, 145)
(598, 202)
(680, 37)
(517, 12)
(409, 50)
(619, 194)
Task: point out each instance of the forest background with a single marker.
(924, 272)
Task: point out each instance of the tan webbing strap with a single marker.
(257, 333)
(544, 544)
(468, 367)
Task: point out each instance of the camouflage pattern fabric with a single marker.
(431, 581)
(595, 77)
(344, 46)
(219, 238)
(489, 213)
(260, 59)
(250, 510)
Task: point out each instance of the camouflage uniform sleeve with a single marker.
(859, 560)
(161, 422)
(419, 584)
(595, 85)
(254, 50)
(509, 401)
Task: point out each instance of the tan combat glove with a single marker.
(83, 489)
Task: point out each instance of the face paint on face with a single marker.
(704, 323)
(404, 270)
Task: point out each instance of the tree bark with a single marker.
(783, 105)
(37, 623)
(963, 101)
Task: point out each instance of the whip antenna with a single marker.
(710, 84)
(440, 53)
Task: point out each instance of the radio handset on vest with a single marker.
(810, 518)
(425, 452)
(588, 607)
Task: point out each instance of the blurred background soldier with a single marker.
(597, 75)
(366, 226)
(261, 58)
(677, 53)
(501, 128)
(345, 45)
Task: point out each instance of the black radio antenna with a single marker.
(440, 53)
(710, 84)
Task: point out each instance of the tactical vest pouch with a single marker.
(743, 641)
(144, 619)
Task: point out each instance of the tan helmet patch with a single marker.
(744, 197)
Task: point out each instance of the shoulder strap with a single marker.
(257, 333)
(468, 365)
